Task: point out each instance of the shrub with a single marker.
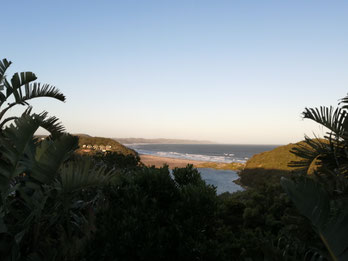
(150, 216)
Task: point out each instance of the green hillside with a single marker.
(268, 166)
(100, 141)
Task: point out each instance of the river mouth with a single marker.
(223, 180)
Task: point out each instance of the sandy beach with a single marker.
(150, 160)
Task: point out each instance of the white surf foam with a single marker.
(226, 158)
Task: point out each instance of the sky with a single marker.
(238, 72)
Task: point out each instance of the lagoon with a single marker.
(221, 179)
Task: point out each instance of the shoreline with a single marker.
(157, 161)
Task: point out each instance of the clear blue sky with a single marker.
(227, 71)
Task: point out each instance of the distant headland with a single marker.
(161, 141)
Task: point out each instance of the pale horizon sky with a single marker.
(236, 72)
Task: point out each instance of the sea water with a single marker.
(226, 153)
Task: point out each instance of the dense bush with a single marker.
(151, 216)
(117, 161)
(323, 197)
(253, 222)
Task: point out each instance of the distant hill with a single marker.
(104, 142)
(268, 166)
(82, 135)
(161, 141)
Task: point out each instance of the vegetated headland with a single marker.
(270, 166)
(90, 145)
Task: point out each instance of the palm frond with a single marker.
(3, 123)
(51, 124)
(331, 118)
(17, 81)
(310, 150)
(36, 90)
(4, 64)
(345, 102)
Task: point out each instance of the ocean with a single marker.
(226, 153)
(223, 180)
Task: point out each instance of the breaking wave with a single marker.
(225, 158)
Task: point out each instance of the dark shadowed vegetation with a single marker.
(323, 197)
(57, 204)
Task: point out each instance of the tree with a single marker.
(327, 155)
(47, 199)
(323, 199)
(20, 90)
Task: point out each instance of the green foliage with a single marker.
(42, 211)
(20, 90)
(330, 217)
(46, 204)
(262, 224)
(117, 161)
(323, 199)
(150, 216)
(329, 154)
(186, 176)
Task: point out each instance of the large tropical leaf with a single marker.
(50, 155)
(331, 118)
(36, 90)
(17, 147)
(310, 151)
(345, 102)
(4, 64)
(17, 81)
(79, 175)
(22, 90)
(329, 217)
(51, 124)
